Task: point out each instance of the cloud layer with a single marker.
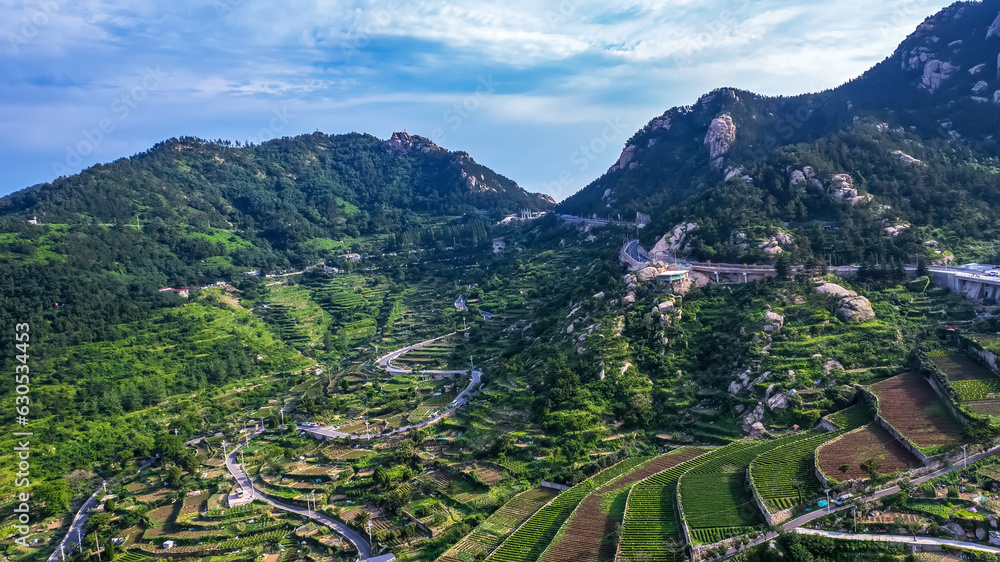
(519, 84)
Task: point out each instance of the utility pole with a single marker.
(855, 512)
(225, 454)
(965, 458)
(827, 500)
(97, 543)
(283, 413)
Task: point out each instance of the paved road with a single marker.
(794, 524)
(901, 539)
(385, 362)
(356, 539)
(80, 519)
(635, 254)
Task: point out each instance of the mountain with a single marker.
(282, 193)
(902, 154)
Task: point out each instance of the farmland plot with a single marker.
(484, 538)
(909, 403)
(853, 449)
(713, 496)
(531, 539)
(784, 477)
(975, 385)
(586, 535)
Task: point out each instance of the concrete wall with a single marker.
(902, 440)
(909, 446)
(827, 425)
(947, 400)
(685, 532)
(554, 486)
(423, 528)
(771, 518)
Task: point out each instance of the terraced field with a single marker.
(528, 542)
(358, 307)
(910, 404)
(713, 497)
(585, 536)
(870, 443)
(484, 538)
(976, 386)
(650, 527)
(784, 476)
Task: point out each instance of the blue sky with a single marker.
(519, 84)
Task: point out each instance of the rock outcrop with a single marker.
(852, 307)
(773, 245)
(856, 309)
(773, 321)
(675, 240)
(405, 143)
(994, 30)
(797, 177)
(720, 137)
(895, 230)
(628, 153)
(906, 158)
(834, 289)
(935, 73)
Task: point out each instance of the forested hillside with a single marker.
(909, 145)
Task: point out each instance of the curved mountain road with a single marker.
(385, 362)
(241, 477)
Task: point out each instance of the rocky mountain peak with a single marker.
(405, 143)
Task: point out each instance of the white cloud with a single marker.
(561, 66)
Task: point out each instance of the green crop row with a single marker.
(531, 538)
(784, 476)
(714, 535)
(650, 528)
(979, 389)
(713, 494)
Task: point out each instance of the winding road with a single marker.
(243, 480)
(385, 362)
(81, 517)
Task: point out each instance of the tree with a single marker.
(98, 522)
(871, 466)
(345, 385)
(783, 266)
(797, 485)
(173, 477)
(844, 468)
(362, 518)
(381, 477)
(54, 495)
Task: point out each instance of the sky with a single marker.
(521, 85)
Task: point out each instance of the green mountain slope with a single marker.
(909, 143)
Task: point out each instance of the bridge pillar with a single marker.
(744, 277)
(716, 277)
